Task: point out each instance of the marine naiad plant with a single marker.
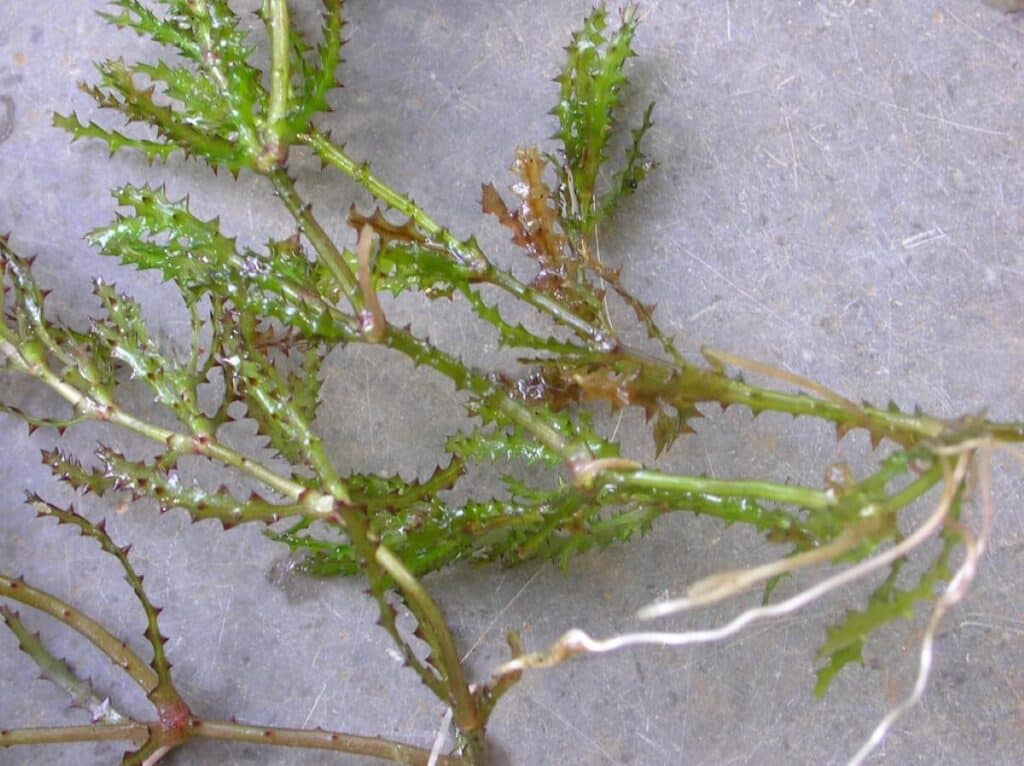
(263, 321)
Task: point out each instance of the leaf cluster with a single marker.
(265, 321)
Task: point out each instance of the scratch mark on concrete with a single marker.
(792, 152)
(582, 734)
(316, 702)
(915, 241)
(504, 609)
(956, 124)
(745, 293)
(223, 623)
(984, 38)
(853, 41)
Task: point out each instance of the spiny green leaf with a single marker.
(844, 641)
(837, 660)
(635, 170)
(228, 56)
(269, 394)
(116, 141)
(492, 444)
(318, 80)
(163, 484)
(68, 469)
(575, 427)
(174, 30)
(408, 266)
(780, 524)
(45, 346)
(199, 100)
(35, 422)
(124, 333)
(165, 235)
(515, 336)
(304, 384)
(590, 85)
(117, 90)
(217, 98)
(388, 493)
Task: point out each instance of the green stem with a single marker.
(59, 672)
(164, 694)
(803, 497)
(915, 489)
(467, 252)
(322, 243)
(317, 503)
(113, 647)
(903, 428)
(381, 566)
(465, 712)
(97, 732)
(377, 559)
(319, 739)
(548, 305)
(276, 14)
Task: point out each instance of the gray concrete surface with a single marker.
(840, 193)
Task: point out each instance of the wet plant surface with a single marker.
(363, 382)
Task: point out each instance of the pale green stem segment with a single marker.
(59, 672)
(319, 739)
(110, 645)
(276, 13)
(812, 499)
(315, 503)
(97, 732)
(463, 704)
(325, 248)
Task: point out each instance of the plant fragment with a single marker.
(264, 321)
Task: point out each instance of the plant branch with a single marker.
(276, 13)
(164, 693)
(116, 649)
(97, 732)
(433, 622)
(804, 497)
(467, 252)
(317, 739)
(576, 642)
(707, 385)
(325, 248)
(59, 672)
(314, 503)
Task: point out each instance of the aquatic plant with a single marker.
(264, 320)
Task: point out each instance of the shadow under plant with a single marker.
(264, 319)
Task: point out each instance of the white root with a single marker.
(959, 460)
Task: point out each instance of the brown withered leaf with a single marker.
(534, 224)
(536, 228)
(621, 383)
(492, 204)
(538, 211)
(391, 232)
